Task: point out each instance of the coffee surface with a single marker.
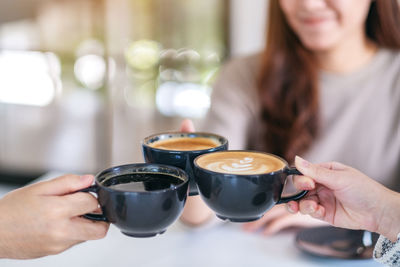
(142, 182)
(185, 143)
(237, 162)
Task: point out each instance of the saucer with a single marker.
(333, 242)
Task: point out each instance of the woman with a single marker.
(345, 197)
(326, 87)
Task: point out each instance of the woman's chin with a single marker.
(319, 47)
(322, 44)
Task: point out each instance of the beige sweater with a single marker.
(360, 115)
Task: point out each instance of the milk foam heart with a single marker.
(240, 162)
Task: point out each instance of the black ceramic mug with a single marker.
(242, 185)
(142, 200)
(180, 149)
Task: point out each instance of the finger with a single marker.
(332, 165)
(272, 214)
(292, 207)
(325, 174)
(98, 210)
(303, 182)
(328, 200)
(279, 224)
(64, 185)
(187, 126)
(313, 209)
(308, 206)
(288, 221)
(319, 213)
(80, 203)
(84, 229)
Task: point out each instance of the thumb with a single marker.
(325, 173)
(187, 126)
(64, 185)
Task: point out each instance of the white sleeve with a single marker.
(387, 252)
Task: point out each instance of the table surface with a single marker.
(219, 244)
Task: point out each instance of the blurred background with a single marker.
(83, 81)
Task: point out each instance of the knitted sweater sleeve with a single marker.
(387, 252)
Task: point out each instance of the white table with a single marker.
(222, 244)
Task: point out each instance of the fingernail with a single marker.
(302, 161)
(318, 214)
(289, 208)
(311, 209)
(307, 186)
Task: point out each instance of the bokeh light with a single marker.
(29, 77)
(143, 54)
(90, 70)
(183, 99)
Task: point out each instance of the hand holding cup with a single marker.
(347, 198)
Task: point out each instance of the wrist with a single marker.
(3, 242)
(389, 223)
(4, 253)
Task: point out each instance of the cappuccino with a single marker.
(185, 143)
(240, 162)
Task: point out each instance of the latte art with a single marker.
(237, 162)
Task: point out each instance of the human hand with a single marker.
(345, 197)
(44, 218)
(277, 219)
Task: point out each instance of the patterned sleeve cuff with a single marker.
(387, 252)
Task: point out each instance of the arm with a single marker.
(43, 218)
(195, 211)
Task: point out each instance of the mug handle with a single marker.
(300, 195)
(92, 216)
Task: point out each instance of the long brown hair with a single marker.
(288, 80)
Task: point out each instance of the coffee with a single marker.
(238, 162)
(185, 143)
(179, 149)
(140, 199)
(142, 182)
(242, 185)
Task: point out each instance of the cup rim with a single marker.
(241, 175)
(184, 176)
(224, 143)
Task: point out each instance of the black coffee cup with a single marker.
(236, 188)
(181, 158)
(142, 200)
